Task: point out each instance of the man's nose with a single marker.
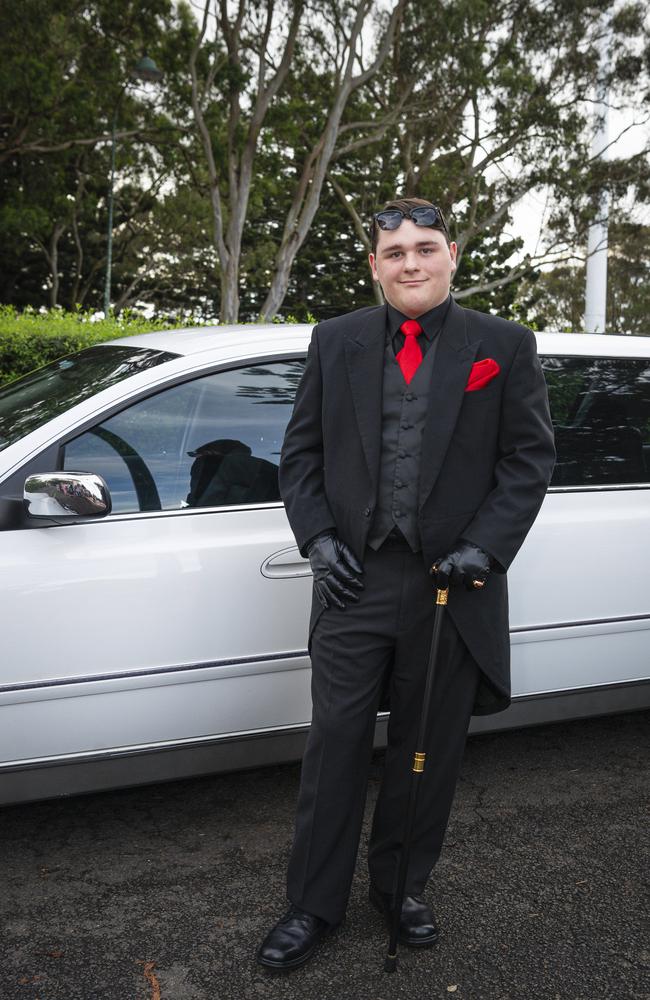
(411, 262)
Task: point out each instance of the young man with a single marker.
(421, 436)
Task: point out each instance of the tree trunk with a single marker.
(79, 261)
(229, 309)
(53, 261)
(307, 197)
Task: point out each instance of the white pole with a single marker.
(596, 288)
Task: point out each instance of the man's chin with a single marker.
(414, 301)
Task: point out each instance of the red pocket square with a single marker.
(482, 372)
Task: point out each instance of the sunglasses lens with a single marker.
(421, 215)
(389, 219)
(424, 216)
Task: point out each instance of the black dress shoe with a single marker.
(417, 926)
(293, 939)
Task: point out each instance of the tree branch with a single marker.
(359, 228)
(206, 141)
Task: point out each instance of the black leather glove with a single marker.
(464, 564)
(335, 568)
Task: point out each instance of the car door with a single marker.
(181, 615)
(580, 585)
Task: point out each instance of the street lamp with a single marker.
(145, 69)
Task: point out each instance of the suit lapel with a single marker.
(364, 357)
(451, 368)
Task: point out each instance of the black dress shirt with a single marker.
(430, 321)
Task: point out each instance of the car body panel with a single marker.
(186, 629)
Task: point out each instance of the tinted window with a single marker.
(211, 442)
(601, 414)
(45, 393)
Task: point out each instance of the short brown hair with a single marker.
(405, 205)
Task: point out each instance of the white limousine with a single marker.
(153, 603)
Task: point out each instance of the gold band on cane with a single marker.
(418, 763)
(442, 595)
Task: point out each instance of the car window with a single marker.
(211, 442)
(601, 415)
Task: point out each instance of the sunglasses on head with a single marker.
(421, 215)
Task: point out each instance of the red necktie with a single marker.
(410, 356)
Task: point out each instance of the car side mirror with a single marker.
(66, 495)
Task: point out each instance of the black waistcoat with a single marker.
(404, 409)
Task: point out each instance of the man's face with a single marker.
(413, 265)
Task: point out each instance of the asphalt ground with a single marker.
(164, 892)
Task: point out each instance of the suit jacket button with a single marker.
(367, 512)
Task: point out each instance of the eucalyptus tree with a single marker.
(242, 56)
(472, 102)
(497, 99)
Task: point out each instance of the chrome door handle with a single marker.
(285, 563)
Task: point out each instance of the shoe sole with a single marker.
(409, 942)
(295, 963)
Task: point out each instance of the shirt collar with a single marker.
(430, 321)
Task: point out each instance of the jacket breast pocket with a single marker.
(490, 391)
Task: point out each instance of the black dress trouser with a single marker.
(384, 637)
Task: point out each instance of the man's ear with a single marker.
(373, 266)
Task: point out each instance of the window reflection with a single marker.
(601, 414)
(226, 472)
(214, 441)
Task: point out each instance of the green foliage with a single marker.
(290, 318)
(64, 78)
(31, 339)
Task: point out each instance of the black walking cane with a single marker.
(418, 767)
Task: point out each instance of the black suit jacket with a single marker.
(486, 461)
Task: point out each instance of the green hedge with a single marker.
(31, 339)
